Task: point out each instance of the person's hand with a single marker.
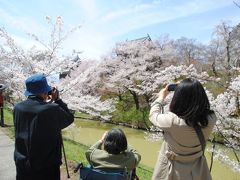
(55, 94)
(103, 136)
(163, 93)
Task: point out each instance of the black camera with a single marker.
(172, 87)
(50, 92)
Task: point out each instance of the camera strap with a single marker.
(203, 143)
(213, 142)
(200, 137)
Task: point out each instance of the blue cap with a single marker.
(36, 84)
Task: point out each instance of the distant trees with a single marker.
(223, 34)
(213, 55)
(225, 47)
(235, 46)
(188, 50)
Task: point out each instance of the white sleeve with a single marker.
(157, 117)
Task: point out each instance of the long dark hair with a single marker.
(115, 141)
(190, 102)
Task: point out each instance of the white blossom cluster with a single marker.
(92, 105)
(17, 64)
(226, 107)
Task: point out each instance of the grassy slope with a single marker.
(8, 120)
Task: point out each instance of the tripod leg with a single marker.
(65, 159)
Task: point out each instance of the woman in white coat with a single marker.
(182, 153)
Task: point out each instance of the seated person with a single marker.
(116, 154)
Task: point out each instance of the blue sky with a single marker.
(105, 22)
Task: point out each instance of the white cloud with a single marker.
(142, 15)
(127, 11)
(26, 43)
(91, 42)
(25, 24)
(89, 8)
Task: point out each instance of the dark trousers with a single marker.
(52, 173)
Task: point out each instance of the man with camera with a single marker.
(38, 126)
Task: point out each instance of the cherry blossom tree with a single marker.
(135, 61)
(80, 91)
(226, 107)
(18, 63)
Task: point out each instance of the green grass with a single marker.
(75, 151)
(144, 172)
(8, 121)
(82, 115)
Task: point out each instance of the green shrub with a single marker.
(125, 113)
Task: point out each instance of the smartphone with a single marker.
(172, 87)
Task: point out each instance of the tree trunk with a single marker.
(237, 104)
(228, 59)
(214, 69)
(147, 98)
(144, 119)
(135, 97)
(119, 96)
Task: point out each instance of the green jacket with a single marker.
(101, 159)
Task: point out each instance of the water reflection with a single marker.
(88, 132)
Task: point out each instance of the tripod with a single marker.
(64, 155)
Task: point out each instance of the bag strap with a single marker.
(134, 175)
(200, 135)
(211, 164)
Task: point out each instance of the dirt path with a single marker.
(71, 166)
(7, 165)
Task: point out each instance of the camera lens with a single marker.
(49, 92)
